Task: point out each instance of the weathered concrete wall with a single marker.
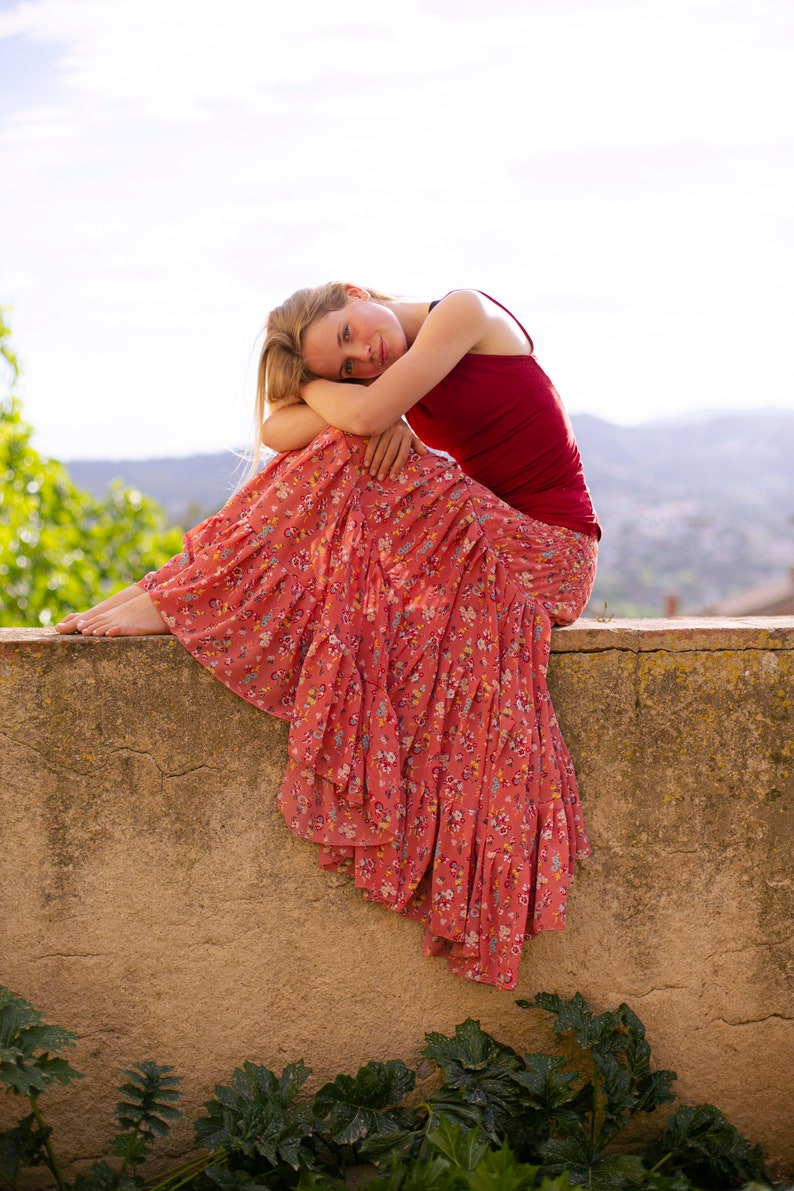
(153, 900)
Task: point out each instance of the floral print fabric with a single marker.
(403, 630)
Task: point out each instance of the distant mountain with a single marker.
(700, 508)
(736, 453)
(189, 488)
(699, 511)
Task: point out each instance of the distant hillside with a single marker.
(700, 508)
(697, 509)
(188, 488)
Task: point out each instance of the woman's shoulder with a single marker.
(461, 314)
(462, 299)
(500, 332)
(464, 307)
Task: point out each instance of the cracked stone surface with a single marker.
(153, 900)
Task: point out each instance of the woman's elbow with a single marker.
(365, 423)
(270, 441)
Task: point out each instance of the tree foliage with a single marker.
(61, 549)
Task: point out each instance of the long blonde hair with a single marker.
(282, 368)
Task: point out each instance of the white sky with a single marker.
(619, 172)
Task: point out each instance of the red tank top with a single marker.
(503, 421)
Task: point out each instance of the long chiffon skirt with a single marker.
(400, 628)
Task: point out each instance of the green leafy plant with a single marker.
(702, 1143)
(255, 1124)
(359, 1117)
(151, 1094)
(457, 1159)
(478, 1086)
(497, 1122)
(27, 1068)
(30, 1065)
(620, 1084)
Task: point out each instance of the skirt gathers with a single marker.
(403, 630)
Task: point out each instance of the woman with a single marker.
(394, 623)
(463, 372)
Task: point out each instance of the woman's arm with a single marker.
(455, 327)
(292, 426)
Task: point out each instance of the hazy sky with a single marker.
(619, 172)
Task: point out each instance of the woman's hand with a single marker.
(387, 452)
(293, 425)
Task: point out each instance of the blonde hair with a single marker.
(282, 369)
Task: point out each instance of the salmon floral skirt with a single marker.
(403, 630)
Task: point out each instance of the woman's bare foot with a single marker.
(131, 613)
(69, 623)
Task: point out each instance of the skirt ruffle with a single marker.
(391, 625)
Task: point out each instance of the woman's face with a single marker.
(357, 342)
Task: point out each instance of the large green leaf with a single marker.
(702, 1144)
(498, 1170)
(478, 1085)
(547, 1086)
(571, 1156)
(26, 1066)
(623, 1083)
(433, 1174)
(356, 1107)
(470, 1048)
(256, 1116)
(403, 1145)
(461, 1147)
(21, 1146)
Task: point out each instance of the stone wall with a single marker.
(153, 900)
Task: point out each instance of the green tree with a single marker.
(61, 549)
